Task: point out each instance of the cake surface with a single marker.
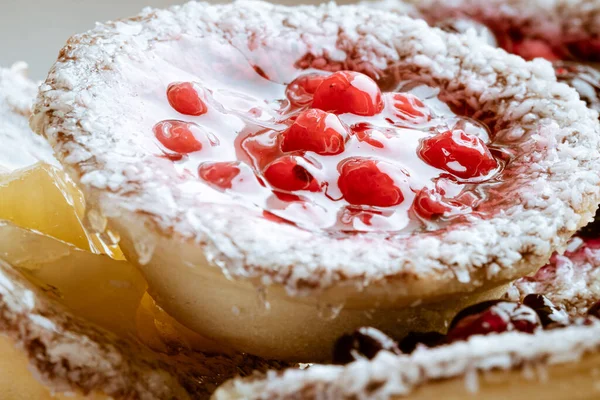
(102, 143)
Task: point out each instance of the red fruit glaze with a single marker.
(317, 131)
(348, 92)
(463, 155)
(328, 150)
(288, 174)
(178, 136)
(362, 182)
(219, 174)
(302, 89)
(375, 137)
(408, 107)
(184, 98)
(493, 317)
(430, 204)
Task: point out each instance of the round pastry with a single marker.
(546, 346)
(562, 32)
(555, 30)
(379, 171)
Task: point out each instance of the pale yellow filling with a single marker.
(42, 234)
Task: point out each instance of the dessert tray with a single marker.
(401, 194)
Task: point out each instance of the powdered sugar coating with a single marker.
(80, 108)
(20, 147)
(391, 375)
(571, 281)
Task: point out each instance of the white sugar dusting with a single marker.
(556, 193)
(399, 375)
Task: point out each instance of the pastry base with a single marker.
(576, 380)
(302, 329)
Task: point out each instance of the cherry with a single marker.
(288, 174)
(364, 342)
(317, 131)
(409, 107)
(461, 154)
(364, 181)
(413, 339)
(219, 174)
(348, 92)
(493, 316)
(548, 312)
(302, 89)
(178, 136)
(184, 98)
(594, 310)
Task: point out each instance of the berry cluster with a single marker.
(346, 141)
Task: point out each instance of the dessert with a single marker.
(565, 33)
(558, 30)
(541, 341)
(551, 364)
(238, 184)
(74, 324)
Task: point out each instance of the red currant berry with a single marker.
(184, 98)
(178, 136)
(219, 174)
(365, 181)
(408, 107)
(348, 92)
(288, 174)
(302, 89)
(493, 317)
(317, 131)
(463, 155)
